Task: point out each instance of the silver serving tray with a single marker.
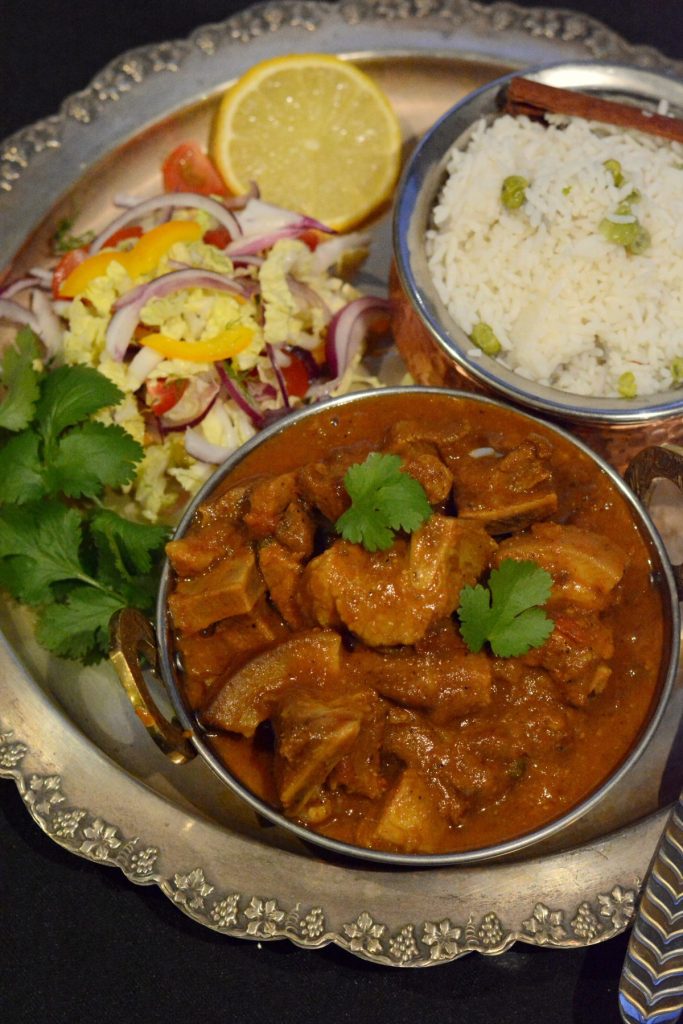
(85, 768)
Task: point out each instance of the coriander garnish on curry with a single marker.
(447, 689)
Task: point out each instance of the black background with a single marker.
(78, 943)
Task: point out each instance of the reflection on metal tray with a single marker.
(86, 771)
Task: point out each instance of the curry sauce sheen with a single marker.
(334, 682)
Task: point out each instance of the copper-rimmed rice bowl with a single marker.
(437, 350)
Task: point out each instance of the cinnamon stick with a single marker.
(535, 100)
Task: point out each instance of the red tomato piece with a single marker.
(162, 394)
(189, 169)
(296, 377)
(122, 234)
(68, 262)
(312, 238)
(220, 237)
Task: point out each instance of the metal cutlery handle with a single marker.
(651, 986)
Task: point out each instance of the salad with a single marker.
(146, 355)
(211, 314)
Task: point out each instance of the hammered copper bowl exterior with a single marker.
(436, 350)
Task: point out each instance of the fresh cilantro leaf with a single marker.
(78, 568)
(40, 544)
(531, 628)
(79, 627)
(91, 457)
(138, 544)
(20, 380)
(71, 394)
(63, 241)
(507, 614)
(474, 614)
(383, 500)
(21, 469)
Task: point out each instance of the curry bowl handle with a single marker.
(133, 636)
(659, 462)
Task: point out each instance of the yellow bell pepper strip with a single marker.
(228, 343)
(141, 259)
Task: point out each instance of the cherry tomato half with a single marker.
(162, 394)
(121, 235)
(189, 169)
(220, 237)
(312, 238)
(296, 377)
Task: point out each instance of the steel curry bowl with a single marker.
(438, 351)
(352, 707)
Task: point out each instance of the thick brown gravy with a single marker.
(347, 736)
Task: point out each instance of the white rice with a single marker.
(569, 307)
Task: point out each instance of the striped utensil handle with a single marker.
(651, 986)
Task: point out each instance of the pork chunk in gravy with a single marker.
(342, 672)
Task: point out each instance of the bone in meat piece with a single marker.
(231, 587)
(281, 570)
(410, 819)
(313, 733)
(509, 492)
(252, 694)
(268, 499)
(585, 566)
(448, 687)
(393, 597)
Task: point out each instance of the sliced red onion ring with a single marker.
(259, 243)
(345, 335)
(279, 376)
(198, 447)
(49, 324)
(42, 274)
(22, 284)
(10, 310)
(329, 252)
(190, 277)
(193, 405)
(127, 309)
(239, 202)
(249, 260)
(141, 365)
(261, 391)
(238, 396)
(166, 201)
(259, 218)
(348, 328)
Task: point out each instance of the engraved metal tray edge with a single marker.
(603, 888)
(576, 898)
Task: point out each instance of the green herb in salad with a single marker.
(63, 241)
(383, 501)
(507, 613)
(76, 564)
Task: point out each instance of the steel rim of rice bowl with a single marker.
(421, 182)
(169, 665)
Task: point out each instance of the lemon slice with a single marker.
(315, 133)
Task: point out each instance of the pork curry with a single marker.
(335, 682)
